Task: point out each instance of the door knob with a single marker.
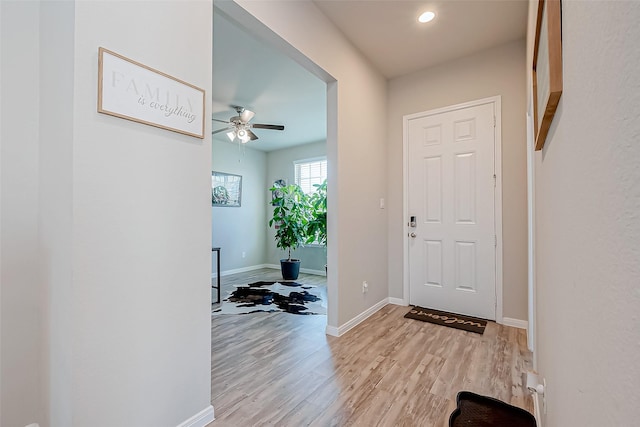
(413, 235)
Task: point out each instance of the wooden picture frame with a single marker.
(130, 90)
(547, 68)
(226, 190)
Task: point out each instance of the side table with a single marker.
(217, 251)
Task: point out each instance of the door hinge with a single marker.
(494, 180)
(494, 121)
(495, 241)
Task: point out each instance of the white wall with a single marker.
(142, 226)
(356, 149)
(55, 219)
(105, 222)
(497, 71)
(242, 229)
(280, 166)
(21, 312)
(587, 223)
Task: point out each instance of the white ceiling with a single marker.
(389, 34)
(249, 72)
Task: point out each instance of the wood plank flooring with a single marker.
(281, 369)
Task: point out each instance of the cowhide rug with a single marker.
(288, 297)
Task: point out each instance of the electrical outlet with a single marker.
(244, 254)
(365, 287)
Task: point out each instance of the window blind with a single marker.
(310, 172)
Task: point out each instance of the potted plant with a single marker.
(291, 214)
(317, 225)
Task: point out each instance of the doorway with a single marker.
(253, 29)
(453, 205)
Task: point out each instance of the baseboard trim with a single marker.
(240, 270)
(332, 331)
(259, 266)
(314, 272)
(515, 323)
(536, 409)
(201, 419)
(398, 301)
(341, 330)
(302, 270)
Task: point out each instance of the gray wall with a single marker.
(245, 229)
(105, 222)
(242, 229)
(22, 398)
(280, 166)
(356, 129)
(498, 71)
(587, 238)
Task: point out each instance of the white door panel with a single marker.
(451, 194)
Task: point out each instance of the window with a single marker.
(310, 172)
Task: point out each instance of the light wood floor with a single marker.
(281, 369)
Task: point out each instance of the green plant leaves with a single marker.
(291, 214)
(299, 218)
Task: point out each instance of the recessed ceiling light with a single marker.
(426, 17)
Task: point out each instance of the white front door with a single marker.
(451, 182)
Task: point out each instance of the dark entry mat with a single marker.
(482, 411)
(458, 321)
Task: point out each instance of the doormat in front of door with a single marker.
(458, 321)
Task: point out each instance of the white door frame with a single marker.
(497, 111)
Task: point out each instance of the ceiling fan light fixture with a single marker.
(243, 135)
(246, 115)
(238, 127)
(426, 17)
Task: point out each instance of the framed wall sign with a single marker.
(226, 189)
(547, 67)
(133, 91)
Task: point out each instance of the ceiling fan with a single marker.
(238, 127)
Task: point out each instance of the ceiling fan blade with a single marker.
(221, 130)
(218, 120)
(272, 127)
(252, 136)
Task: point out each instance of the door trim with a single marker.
(497, 200)
(531, 229)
